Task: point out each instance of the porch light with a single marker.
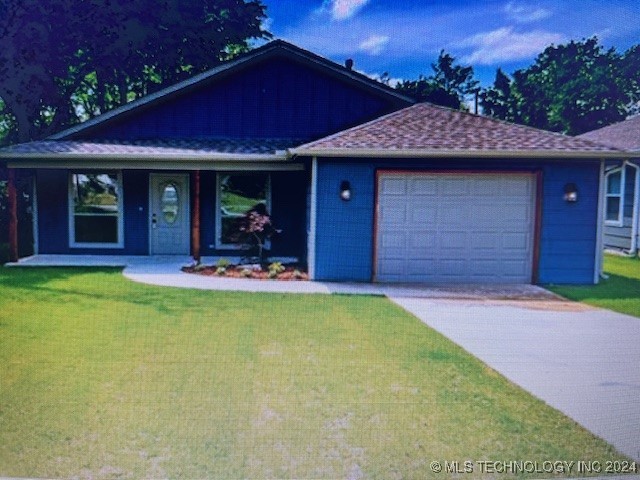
(570, 193)
(345, 191)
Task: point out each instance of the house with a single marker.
(364, 184)
(622, 185)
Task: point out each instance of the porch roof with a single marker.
(232, 149)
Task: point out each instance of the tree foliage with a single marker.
(571, 88)
(447, 85)
(66, 61)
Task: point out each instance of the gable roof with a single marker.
(426, 130)
(273, 48)
(624, 135)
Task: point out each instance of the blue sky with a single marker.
(405, 37)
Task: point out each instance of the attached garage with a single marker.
(433, 195)
(455, 227)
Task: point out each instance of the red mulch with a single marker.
(234, 271)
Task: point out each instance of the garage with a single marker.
(455, 227)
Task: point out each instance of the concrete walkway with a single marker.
(166, 271)
(583, 361)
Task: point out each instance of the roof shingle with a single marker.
(432, 129)
(158, 147)
(624, 135)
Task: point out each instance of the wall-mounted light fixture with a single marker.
(570, 192)
(345, 190)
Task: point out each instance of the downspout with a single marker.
(311, 240)
(598, 271)
(636, 210)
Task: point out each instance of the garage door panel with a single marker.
(393, 186)
(480, 228)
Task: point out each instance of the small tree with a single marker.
(255, 229)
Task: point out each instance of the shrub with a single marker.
(223, 263)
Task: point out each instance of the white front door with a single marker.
(169, 220)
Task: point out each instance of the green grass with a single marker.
(104, 378)
(619, 292)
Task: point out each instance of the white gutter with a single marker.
(636, 210)
(598, 270)
(451, 153)
(311, 238)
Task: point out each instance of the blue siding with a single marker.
(344, 236)
(53, 214)
(275, 99)
(569, 223)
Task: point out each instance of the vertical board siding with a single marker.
(344, 240)
(575, 223)
(275, 99)
(345, 229)
(53, 214)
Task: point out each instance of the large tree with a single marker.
(571, 88)
(448, 85)
(62, 62)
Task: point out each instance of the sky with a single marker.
(404, 38)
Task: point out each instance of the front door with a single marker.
(169, 214)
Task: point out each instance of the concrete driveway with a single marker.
(583, 361)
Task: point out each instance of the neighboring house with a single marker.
(622, 208)
(364, 185)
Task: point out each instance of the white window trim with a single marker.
(620, 221)
(235, 246)
(70, 202)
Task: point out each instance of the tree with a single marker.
(447, 86)
(62, 62)
(497, 101)
(571, 88)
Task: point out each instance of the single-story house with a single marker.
(364, 184)
(622, 190)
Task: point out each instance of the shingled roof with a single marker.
(153, 149)
(426, 130)
(624, 135)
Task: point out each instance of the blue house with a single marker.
(364, 184)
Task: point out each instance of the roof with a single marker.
(624, 135)
(230, 149)
(275, 47)
(426, 130)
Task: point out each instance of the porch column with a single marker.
(195, 218)
(13, 215)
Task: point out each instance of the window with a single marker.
(614, 195)
(95, 204)
(237, 194)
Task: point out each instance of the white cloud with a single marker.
(503, 45)
(374, 44)
(343, 9)
(525, 14)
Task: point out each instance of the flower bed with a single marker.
(274, 271)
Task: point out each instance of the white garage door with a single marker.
(455, 228)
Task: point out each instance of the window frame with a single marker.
(619, 222)
(72, 215)
(218, 212)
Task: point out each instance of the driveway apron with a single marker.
(583, 361)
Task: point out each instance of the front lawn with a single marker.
(619, 292)
(104, 378)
